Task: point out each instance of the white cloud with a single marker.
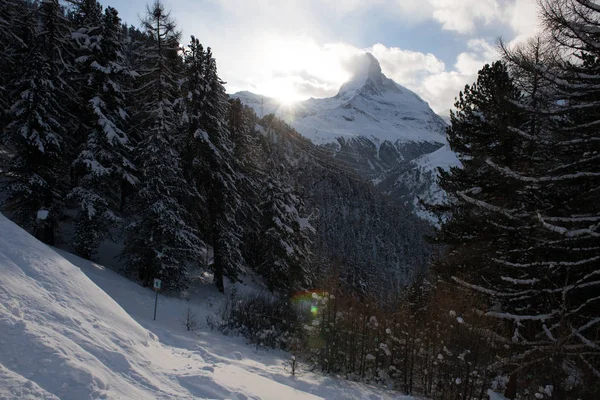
(433, 81)
(524, 19)
(408, 67)
(461, 15)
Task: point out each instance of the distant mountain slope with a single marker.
(369, 105)
(373, 125)
(445, 115)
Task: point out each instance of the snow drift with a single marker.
(63, 336)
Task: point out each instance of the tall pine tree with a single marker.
(282, 244)
(103, 154)
(161, 241)
(36, 124)
(210, 155)
(524, 215)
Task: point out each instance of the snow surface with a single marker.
(443, 158)
(495, 396)
(73, 329)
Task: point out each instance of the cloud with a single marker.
(524, 19)
(408, 67)
(461, 15)
(432, 80)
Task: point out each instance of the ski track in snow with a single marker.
(73, 329)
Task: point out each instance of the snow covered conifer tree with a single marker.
(11, 22)
(103, 155)
(479, 131)
(223, 196)
(283, 242)
(210, 156)
(36, 124)
(557, 319)
(161, 239)
(541, 282)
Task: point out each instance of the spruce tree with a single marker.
(103, 157)
(481, 219)
(217, 175)
(519, 235)
(283, 241)
(11, 43)
(557, 321)
(161, 241)
(37, 124)
(480, 130)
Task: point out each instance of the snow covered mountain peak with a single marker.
(367, 80)
(368, 64)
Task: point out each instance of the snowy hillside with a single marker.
(427, 165)
(72, 329)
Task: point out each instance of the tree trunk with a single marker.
(48, 233)
(511, 389)
(218, 276)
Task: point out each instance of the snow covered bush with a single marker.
(261, 318)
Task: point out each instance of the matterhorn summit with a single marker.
(367, 79)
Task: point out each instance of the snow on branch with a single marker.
(510, 173)
(516, 317)
(590, 366)
(578, 218)
(547, 263)
(522, 133)
(520, 281)
(589, 4)
(489, 291)
(569, 232)
(487, 206)
(586, 303)
(558, 110)
(585, 340)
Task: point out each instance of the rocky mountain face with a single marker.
(380, 129)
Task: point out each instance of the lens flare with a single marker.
(309, 300)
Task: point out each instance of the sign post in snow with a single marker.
(157, 283)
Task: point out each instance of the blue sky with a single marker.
(295, 49)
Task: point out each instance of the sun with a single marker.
(287, 98)
(283, 90)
